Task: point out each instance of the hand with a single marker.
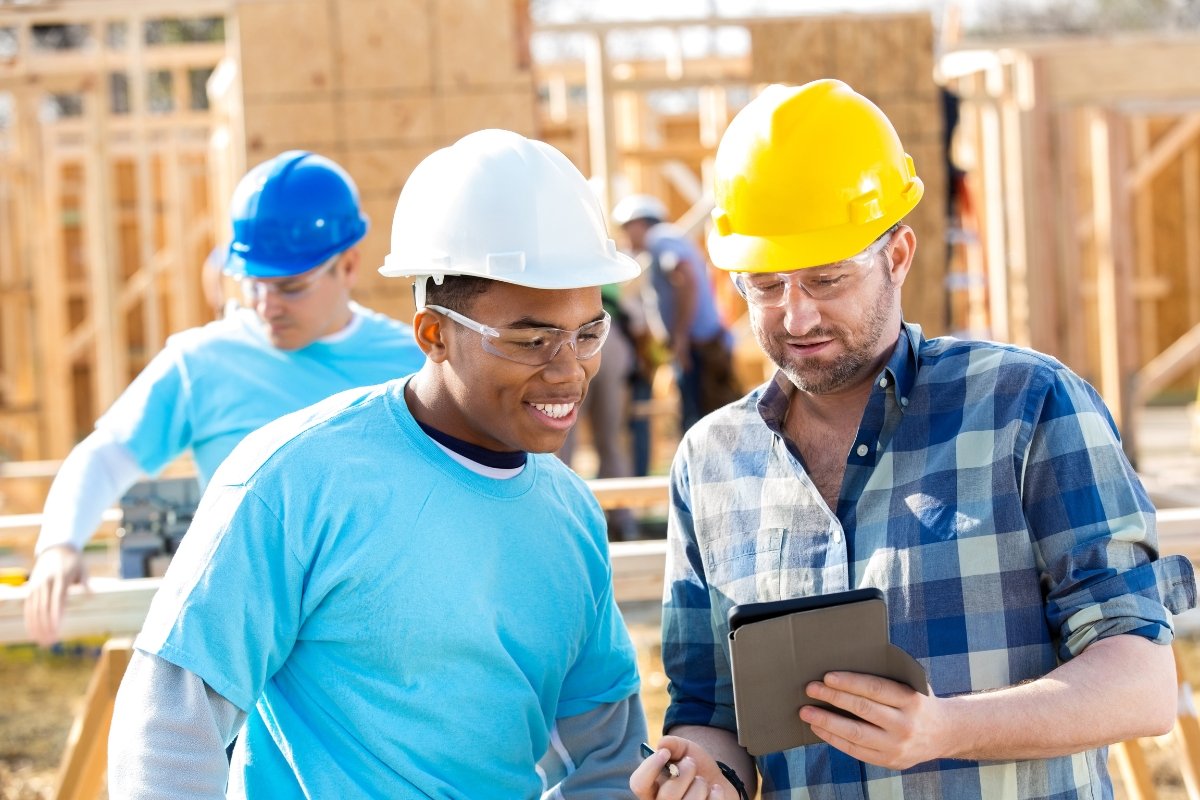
(898, 726)
(699, 777)
(56, 569)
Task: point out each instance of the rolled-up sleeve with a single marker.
(1093, 527)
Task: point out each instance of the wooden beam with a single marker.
(1179, 357)
(1191, 229)
(56, 389)
(710, 21)
(1113, 269)
(113, 607)
(117, 606)
(85, 759)
(601, 127)
(994, 220)
(1151, 160)
(1142, 202)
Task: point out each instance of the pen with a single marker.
(672, 769)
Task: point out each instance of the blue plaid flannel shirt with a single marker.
(986, 495)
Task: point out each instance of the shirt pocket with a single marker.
(737, 562)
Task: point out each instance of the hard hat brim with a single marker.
(735, 252)
(616, 268)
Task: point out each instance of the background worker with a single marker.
(701, 347)
(401, 590)
(296, 223)
(606, 407)
(982, 487)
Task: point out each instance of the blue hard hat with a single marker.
(290, 214)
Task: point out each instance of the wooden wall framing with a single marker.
(1084, 157)
(104, 216)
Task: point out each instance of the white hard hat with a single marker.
(497, 205)
(639, 206)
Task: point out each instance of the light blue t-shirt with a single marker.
(396, 625)
(210, 386)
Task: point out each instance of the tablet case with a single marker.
(778, 648)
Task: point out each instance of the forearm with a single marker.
(723, 746)
(169, 734)
(92, 477)
(1118, 688)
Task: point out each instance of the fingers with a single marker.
(55, 571)
(650, 781)
(644, 780)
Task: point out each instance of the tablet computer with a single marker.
(778, 648)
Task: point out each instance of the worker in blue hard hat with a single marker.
(299, 339)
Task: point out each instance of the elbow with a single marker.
(1161, 720)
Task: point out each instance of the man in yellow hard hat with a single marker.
(981, 487)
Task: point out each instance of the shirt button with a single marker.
(883, 382)
(903, 401)
(863, 450)
(837, 536)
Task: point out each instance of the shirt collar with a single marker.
(902, 366)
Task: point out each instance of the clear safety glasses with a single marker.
(290, 288)
(769, 289)
(534, 347)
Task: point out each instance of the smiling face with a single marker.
(493, 402)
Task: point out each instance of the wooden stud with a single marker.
(601, 128)
(1142, 201)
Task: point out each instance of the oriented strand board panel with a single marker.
(798, 50)
(477, 44)
(385, 44)
(285, 47)
(467, 112)
(276, 125)
(382, 171)
(405, 118)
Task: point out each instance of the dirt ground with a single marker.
(44, 691)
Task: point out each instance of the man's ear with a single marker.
(428, 329)
(904, 250)
(349, 266)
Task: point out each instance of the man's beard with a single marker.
(819, 377)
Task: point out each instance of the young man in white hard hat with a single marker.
(296, 225)
(981, 487)
(401, 591)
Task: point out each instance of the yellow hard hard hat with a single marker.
(807, 175)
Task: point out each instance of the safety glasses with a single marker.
(769, 289)
(534, 347)
(290, 288)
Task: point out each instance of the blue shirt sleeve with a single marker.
(230, 606)
(701, 684)
(152, 417)
(605, 671)
(1093, 527)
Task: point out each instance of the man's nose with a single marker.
(566, 366)
(801, 313)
